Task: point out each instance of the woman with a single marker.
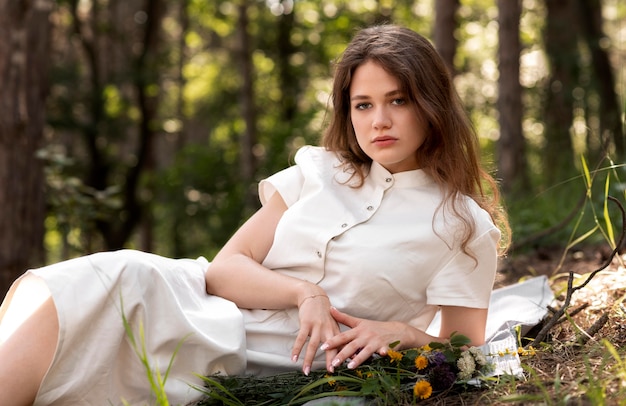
(355, 247)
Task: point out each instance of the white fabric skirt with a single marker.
(164, 301)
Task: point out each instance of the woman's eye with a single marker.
(398, 102)
(362, 106)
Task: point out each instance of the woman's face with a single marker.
(386, 123)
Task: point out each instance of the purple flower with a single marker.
(442, 377)
(437, 358)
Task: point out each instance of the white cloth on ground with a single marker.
(513, 311)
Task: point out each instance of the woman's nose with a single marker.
(381, 119)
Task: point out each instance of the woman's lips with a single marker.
(384, 141)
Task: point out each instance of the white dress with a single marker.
(386, 250)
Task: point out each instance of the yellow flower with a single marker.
(421, 362)
(331, 382)
(359, 373)
(526, 352)
(394, 355)
(426, 348)
(422, 389)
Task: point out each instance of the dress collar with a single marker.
(406, 179)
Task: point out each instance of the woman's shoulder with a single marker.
(316, 155)
(319, 163)
(483, 222)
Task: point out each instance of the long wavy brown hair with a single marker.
(450, 153)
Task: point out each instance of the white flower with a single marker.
(466, 365)
(479, 357)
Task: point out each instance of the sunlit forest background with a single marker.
(148, 123)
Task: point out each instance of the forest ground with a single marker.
(564, 370)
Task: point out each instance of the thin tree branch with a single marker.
(552, 321)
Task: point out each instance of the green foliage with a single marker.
(582, 199)
(619, 369)
(72, 202)
(156, 380)
(201, 201)
(194, 81)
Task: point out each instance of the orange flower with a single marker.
(421, 362)
(394, 355)
(422, 389)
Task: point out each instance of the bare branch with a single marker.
(552, 321)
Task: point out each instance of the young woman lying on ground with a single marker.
(356, 246)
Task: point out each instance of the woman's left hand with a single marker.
(364, 338)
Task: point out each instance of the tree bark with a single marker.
(116, 228)
(249, 136)
(512, 166)
(444, 30)
(140, 212)
(609, 133)
(561, 48)
(24, 57)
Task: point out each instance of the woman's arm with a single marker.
(236, 272)
(468, 321)
(367, 337)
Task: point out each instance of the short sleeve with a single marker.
(288, 183)
(467, 281)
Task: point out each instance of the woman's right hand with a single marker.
(317, 325)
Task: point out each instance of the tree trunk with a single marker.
(562, 52)
(512, 166)
(96, 31)
(24, 56)
(444, 30)
(603, 79)
(288, 78)
(249, 136)
(140, 212)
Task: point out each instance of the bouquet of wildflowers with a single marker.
(416, 372)
(399, 377)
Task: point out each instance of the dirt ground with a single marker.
(572, 366)
(605, 293)
(552, 260)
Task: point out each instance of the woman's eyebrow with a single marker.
(388, 94)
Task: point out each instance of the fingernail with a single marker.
(294, 358)
(335, 362)
(307, 370)
(324, 347)
(331, 369)
(351, 365)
